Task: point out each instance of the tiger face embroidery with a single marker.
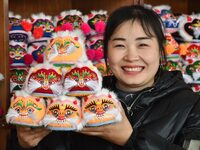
(98, 17)
(26, 111)
(73, 19)
(81, 81)
(17, 78)
(64, 50)
(63, 115)
(17, 53)
(45, 81)
(15, 22)
(100, 110)
(38, 52)
(45, 24)
(193, 51)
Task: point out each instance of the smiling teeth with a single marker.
(133, 69)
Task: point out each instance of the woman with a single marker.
(160, 110)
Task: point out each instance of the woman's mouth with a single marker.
(133, 69)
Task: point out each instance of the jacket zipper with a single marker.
(136, 100)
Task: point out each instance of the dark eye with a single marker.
(86, 79)
(93, 109)
(12, 54)
(143, 45)
(68, 113)
(43, 26)
(41, 81)
(119, 46)
(14, 79)
(18, 110)
(30, 110)
(76, 79)
(50, 82)
(105, 107)
(21, 53)
(55, 113)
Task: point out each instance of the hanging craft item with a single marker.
(18, 28)
(170, 21)
(63, 113)
(101, 108)
(189, 28)
(68, 20)
(94, 42)
(103, 68)
(26, 110)
(82, 79)
(36, 52)
(66, 48)
(18, 54)
(44, 80)
(17, 78)
(42, 28)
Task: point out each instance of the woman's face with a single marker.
(133, 56)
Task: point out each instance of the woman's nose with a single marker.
(131, 55)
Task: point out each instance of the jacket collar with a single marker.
(165, 83)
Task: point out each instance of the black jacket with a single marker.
(162, 116)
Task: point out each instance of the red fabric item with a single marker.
(90, 54)
(38, 32)
(98, 54)
(26, 25)
(28, 59)
(67, 26)
(100, 27)
(85, 28)
(40, 59)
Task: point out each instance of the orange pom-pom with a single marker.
(169, 49)
(183, 49)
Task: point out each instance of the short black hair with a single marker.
(150, 21)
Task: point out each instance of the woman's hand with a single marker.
(30, 137)
(117, 133)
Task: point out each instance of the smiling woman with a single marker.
(159, 111)
(133, 56)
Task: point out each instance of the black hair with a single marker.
(150, 21)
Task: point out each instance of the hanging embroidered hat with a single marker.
(18, 28)
(42, 28)
(36, 50)
(17, 54)
(189, 28)
(17, 78)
